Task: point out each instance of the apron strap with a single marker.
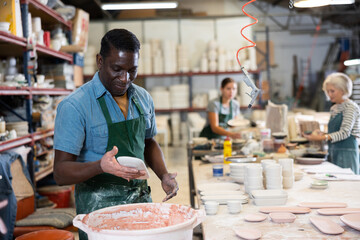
(105, 110)
(230, 110)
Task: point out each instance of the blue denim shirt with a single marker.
(80, 126)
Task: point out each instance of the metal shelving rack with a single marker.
(17, 46)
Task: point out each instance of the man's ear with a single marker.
(99, 61)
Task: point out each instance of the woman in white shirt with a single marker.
(344, 124)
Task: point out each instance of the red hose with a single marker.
(253, 43)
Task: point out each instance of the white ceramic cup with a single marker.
(211, 207)
(234, 206)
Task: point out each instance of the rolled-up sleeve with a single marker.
(69, 129)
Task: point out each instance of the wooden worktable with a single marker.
(220, 226)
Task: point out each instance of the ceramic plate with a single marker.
(247, 233)
(326, 225)
(338, 211)
(279, 135)
(238, 122)
(216, 186)
(282, 217)
(255, 217)
(224, 198)
(323, 205)
(135, 163)
(221, 192)
(305, 160)
(352, 220)
(285, 209)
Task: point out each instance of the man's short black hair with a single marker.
(120, 39)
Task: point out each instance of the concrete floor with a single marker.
(176, 161)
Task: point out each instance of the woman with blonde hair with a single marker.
(344, 123)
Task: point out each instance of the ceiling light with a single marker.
(311, 3)
(341, 2)
(352, 62)
(139, 5)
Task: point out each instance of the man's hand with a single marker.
(169, 185)
(3, 229)
(109, 164)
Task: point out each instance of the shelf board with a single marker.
(4, 90)
(44, 153)
(43, 134)
(49, 91)
(43, 172)
(189, 74)
(49, 17)
(46, 51)
(11, 45)
(6, 145)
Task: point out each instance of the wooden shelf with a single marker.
(11, 45)
(189, 74)
(44, 171)
(49, 17)
(4, 90)
(49, 52)
(44, 153)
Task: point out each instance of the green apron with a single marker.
(223, 119)
(344, 153)
(105, 190)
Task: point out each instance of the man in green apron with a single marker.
(106, 118)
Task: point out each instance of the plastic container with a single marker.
(47, 235)
(227, 149)
(141, 221)
(57, 194)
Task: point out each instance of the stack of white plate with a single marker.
(253, 177)
(237, 171)
(269, 197)
(223, 196)
(21, 128)
(161, 98)
(179, 96)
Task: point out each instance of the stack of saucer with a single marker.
(253, 177)
(287, 171)
(273, 175)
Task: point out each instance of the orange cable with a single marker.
(253, 43)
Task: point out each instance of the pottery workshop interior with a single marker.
(179, 119)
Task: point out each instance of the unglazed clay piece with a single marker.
(352, 220)
(323, 205)
(255, 217)
(338, 211)
(285, 209)
(282, 217)
(247, 233)
(326, 225)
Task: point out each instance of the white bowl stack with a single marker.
(287, 171)
(161, 97)
(253, 177)
(266, 163)
(237, 171)
(273, 175)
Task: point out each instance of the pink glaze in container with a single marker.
(141, 221)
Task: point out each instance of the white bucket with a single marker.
(160, 221)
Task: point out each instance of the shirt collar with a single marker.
(100, 89)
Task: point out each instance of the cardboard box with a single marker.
(260, 58)
(80, 31)
(10, 12)
(78, 76)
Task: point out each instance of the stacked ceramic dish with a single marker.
(253, 177)
(269, 197)
(287, 172)
(237, 171)
(273, 176)
(179, 96)
(21, 128)
(222, 192)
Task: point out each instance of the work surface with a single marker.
(221, 225)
